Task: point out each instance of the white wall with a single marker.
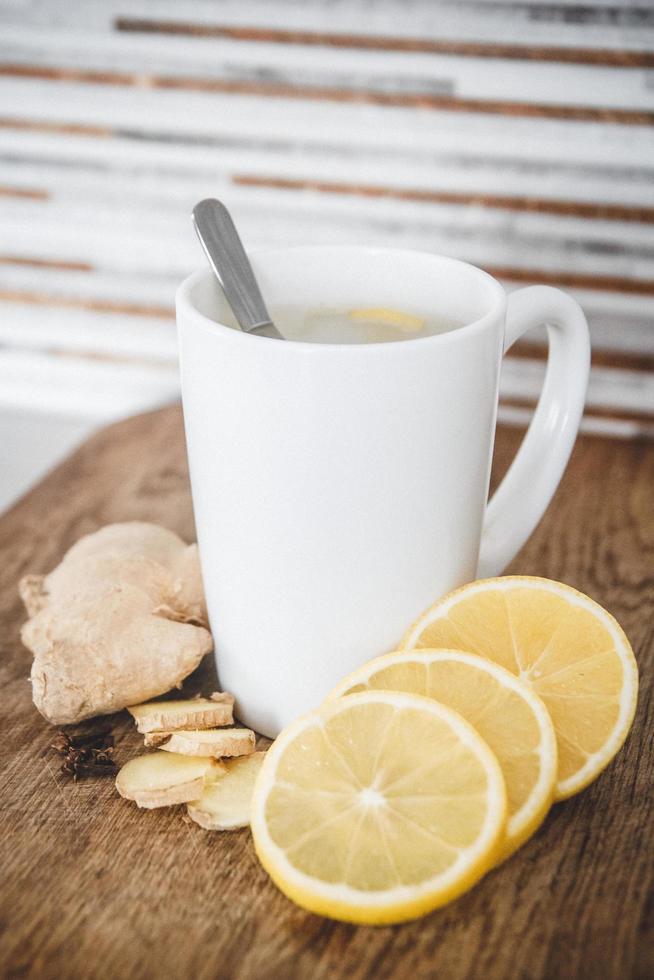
(517, 134)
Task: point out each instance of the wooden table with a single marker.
(94, 887)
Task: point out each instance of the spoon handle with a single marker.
(227, 257)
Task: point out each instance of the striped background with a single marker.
(516, 135)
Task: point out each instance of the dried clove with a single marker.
(86, 752)
(61, 743)
(78, 769)
(98, 737)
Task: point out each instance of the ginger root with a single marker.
(164, 779)
(225, 803)
(122, 619)
(169, 716)
(206, 742)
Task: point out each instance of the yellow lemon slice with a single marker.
(378, 807)
(390, 318)
(511, 719)
(568, 649)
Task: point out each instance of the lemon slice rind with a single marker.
(599, 760)
(401, 902)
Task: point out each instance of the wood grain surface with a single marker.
(93, 887)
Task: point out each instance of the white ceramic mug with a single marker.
(340, 489)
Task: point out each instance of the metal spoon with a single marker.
(227, 258)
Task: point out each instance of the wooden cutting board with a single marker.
(94, 887)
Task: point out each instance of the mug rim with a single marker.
(184, 305)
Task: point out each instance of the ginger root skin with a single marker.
(116, 623)
(145, 555)
(171, 716)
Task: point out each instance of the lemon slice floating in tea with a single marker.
(407, 322)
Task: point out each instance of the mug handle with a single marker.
(523, 495)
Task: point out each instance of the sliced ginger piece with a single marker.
(164, 779)
(154, 740)
(116, 622)
(171, 716)
(225, 804)
(205, 742)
